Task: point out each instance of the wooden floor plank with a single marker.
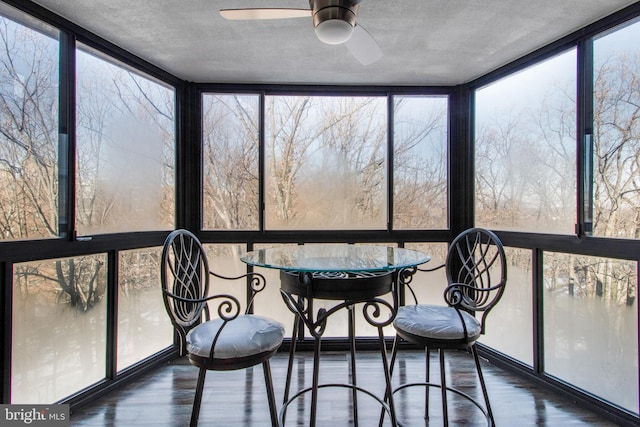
(237, 398)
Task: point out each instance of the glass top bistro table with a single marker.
(349, 275)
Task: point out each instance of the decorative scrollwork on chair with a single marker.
(231, 340)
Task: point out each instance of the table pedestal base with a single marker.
(299, 291)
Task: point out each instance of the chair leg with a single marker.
(354, 381)
(292, 353)
(427, 375)
(482, 384)
(316, 380)
(271, 396)
(443, 388)
(195, 411)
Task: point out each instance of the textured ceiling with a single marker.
(425, 42)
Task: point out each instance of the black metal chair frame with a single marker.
(185, 278)
(472, 257)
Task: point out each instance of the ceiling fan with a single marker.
(334, 22)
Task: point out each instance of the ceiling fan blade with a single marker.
(363, 46)
(263, 13)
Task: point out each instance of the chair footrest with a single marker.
(451, 389)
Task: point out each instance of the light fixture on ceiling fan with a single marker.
(334, 21)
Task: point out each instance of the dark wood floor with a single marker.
(237, 398)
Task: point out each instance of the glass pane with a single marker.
(143, 325)
(362, 327)
(509, 327)
(525, 156)
(28, 128)
(420, 142)
(429, 286)
(230, 179)
(125, 150)
(269, 302)
(225, 261)
(325, 162)
(59, 328)
(616, 169)
(591, 325)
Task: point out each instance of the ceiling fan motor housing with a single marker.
(333, 20)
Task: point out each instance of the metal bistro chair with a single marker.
(230, 341)
(476, 272)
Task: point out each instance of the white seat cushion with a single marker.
(436, 322)
(244, 336)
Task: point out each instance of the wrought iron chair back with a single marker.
(185, 286)
(476, 272)
(185, 280)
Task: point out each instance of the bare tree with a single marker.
(28, 133)
(501, 180)
(125, 132)
(420, 166)
(617, 148)
(287, 144)
(230, 151)
(352, 148)
(326, 161)
(616, 152)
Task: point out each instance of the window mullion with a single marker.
(584, 226)
(66, 137)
